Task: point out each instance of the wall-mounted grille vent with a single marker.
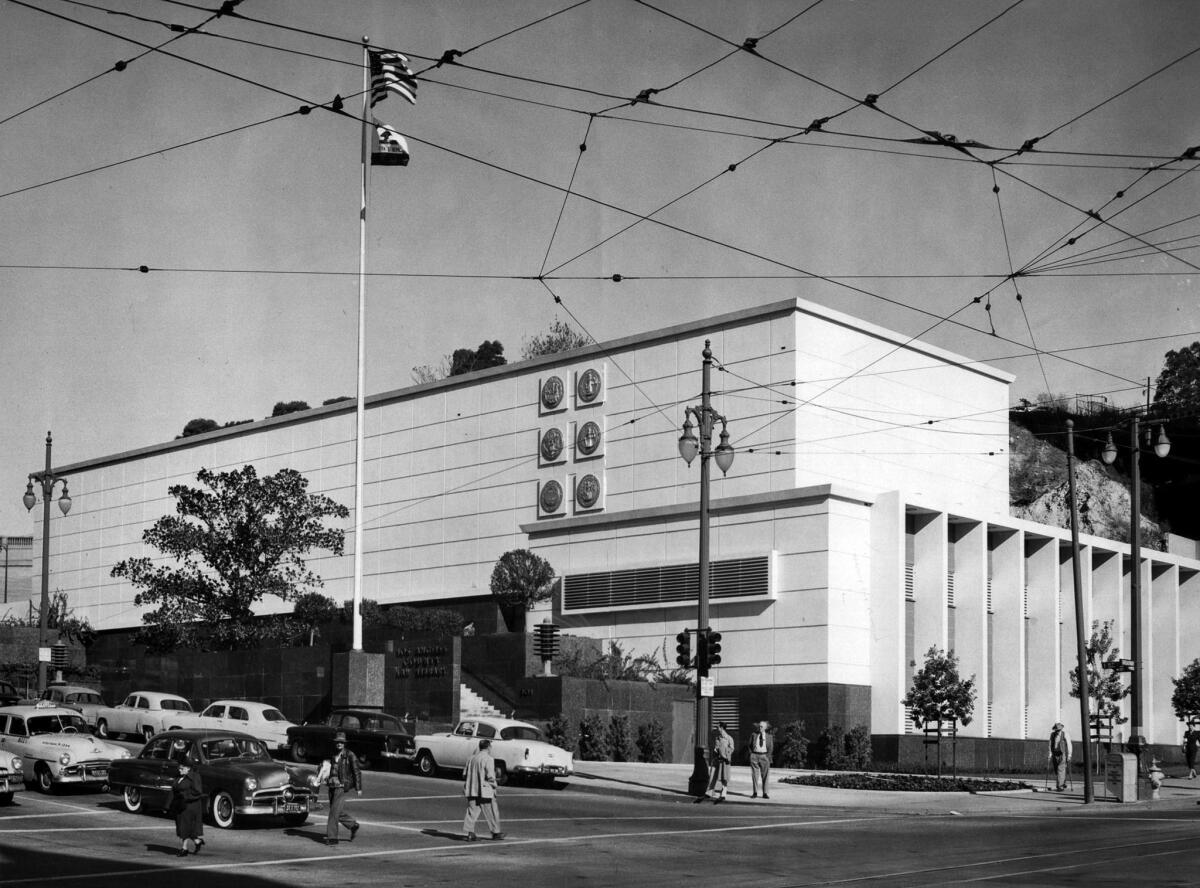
(667, 584)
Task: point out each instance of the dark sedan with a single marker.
(240, 778)
(375, 737)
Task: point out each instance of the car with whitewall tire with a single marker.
(56, 747)
(143, 714)
(238, 775)
(518, 748)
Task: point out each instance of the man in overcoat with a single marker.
(479, 786)
(1060, 755)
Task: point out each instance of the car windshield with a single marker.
(85, 698)
(177, 705)
(520, 732)
(56, 724)
(233, 747)
(273, 715)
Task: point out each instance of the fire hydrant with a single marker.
(1155, 773)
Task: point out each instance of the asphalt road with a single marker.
(411, 836)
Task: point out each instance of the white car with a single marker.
(144, 714)
(517, 747)
(259, 720)
(86, 701)
(55, 746)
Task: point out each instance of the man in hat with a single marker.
(344, 774)
(479, 786)
(762, 748)
(1060, 755)
(722, 759)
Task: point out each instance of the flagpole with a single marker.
(361, 412)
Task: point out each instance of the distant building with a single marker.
(865, 518)
(16, 576)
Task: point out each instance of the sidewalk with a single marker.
(670, 781)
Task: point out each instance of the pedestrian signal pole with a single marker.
(547, 644)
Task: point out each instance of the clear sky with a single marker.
(252, 236)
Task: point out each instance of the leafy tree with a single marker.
(466, 360)
(561, 733)
(560, 337)
(236, 422)
(197, 427)
(1178, 385)
(283, 407)
(939, 692)
(593, 743)
(437, 620)
(372, 613)
(313, 610)
(429, 373)
(620, 744)
(858, 748)
(337, 400)
(521, 578)
(1185, 699)
(1105, 688)
(235, 540)
(60, 620)
(792, 749)
(829, 752)
(651, 741)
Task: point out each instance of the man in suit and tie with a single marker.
(479, 786)
(762, 749)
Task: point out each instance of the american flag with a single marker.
(390, 73)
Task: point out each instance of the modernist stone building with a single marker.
(864, 520)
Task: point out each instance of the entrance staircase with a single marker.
(472, 705)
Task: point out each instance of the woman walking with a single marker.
(188, 805)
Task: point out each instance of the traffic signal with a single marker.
(547, 640)
(713, 649)
(683, 649)
(702, 651)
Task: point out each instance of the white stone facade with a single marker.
(859, 452)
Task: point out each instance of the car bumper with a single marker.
(547, 770)
(12, 783)
(275, 808)
(399, 756)
(86, 774)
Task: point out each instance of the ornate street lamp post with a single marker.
(689, 446)
(1162, 446)
(46, 480)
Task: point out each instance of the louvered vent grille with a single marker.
(668, 584)
(909, 588)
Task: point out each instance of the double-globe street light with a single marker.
(1162, 446)
(46, 480)
(689, 446)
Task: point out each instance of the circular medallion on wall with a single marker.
(551, 446)
(588, 387)
(552, 393)
(587, 439)
(551, 496)
(587, 492)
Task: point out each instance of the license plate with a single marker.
(291, 808)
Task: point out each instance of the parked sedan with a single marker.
(517, 747)
(12, 779)
(86, 701)
(9, 695)
(375, 737)
(56, 747)
(143, 714)
(240, 778)
(260, 720)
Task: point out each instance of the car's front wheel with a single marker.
(102, 729)
(299, 751)
(6, 798)
(132, 797)
(147, 733)
(426, 765)
(222, 809)
(501, 773)
(43, 778)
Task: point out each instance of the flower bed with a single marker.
(905, 783)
